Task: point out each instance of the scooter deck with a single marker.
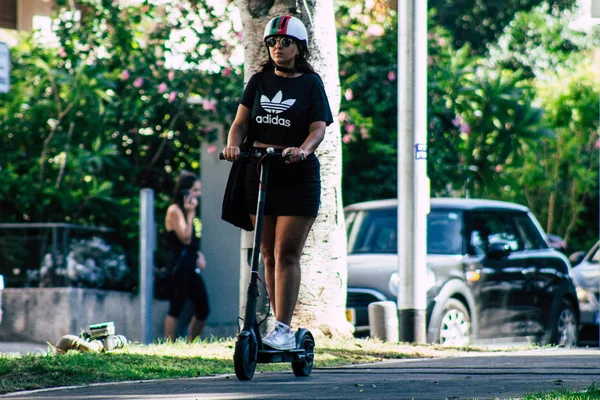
(272, 356)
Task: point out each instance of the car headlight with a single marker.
(583, 296)
(394, 281)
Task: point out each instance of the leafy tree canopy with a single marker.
(106, 109)
(480, 22)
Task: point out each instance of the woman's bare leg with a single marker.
(195, 328)
(170, 328)
(290, 235)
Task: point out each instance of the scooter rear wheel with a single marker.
(243, 359)
(307, 342)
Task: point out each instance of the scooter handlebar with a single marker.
(269, 152)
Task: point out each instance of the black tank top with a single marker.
(175, 248)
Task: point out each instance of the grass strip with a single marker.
(165, 360)
(591, 393)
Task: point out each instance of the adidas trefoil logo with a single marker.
(276, 106)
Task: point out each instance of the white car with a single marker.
(585, 275)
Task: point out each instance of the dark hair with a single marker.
(184, 183)
(301, 63)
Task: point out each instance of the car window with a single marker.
(487, 227)
(444, 233)
(531, 238)
(377, 233)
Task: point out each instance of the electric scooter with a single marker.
(249, 348)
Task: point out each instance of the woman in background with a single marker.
(183, 247)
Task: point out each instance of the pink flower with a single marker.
(347, 138)
(62, 52)
(348, 94)
(342, 116)
(210, 105)
(597, 144)
(465, 128)
(498, 168)
(343, 72)
(172, 96)
(162, 88)
(391, 76)
(124, 75)
(350, 128)
(375, 30)
(364, 133)
(171, 75)
(226, 71)
(138, 82)
(211, 148)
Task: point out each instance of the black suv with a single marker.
(491, 275)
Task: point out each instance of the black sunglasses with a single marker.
(285, 41)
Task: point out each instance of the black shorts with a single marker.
(189, 285)
(292, 189)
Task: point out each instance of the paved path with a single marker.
(22, 347)
(489, 376)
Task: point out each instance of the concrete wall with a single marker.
(45, 314)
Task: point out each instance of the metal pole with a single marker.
(413, 184)
(147, 241)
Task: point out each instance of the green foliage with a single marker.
(538, 41)
(479, 116)
(102, 111)
(559, 178)
(479, 119)
(480, 23)
(367, 49)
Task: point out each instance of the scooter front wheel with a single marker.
(244, 357)
(305, 341)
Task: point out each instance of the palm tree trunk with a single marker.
(322, 301)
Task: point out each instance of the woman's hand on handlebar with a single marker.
(294, 155)
(231, 153)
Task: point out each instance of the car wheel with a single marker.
(455, 324)
(564, 327)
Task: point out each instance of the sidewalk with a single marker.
(501, 375)
(23, 347)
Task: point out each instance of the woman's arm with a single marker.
(314, 139)
(183, 225)
(237, 133)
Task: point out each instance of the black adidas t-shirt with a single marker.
(283, 108)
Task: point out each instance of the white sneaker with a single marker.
(280, 338)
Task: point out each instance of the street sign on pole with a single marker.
(4, 68)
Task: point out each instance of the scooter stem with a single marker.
(250, 312)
